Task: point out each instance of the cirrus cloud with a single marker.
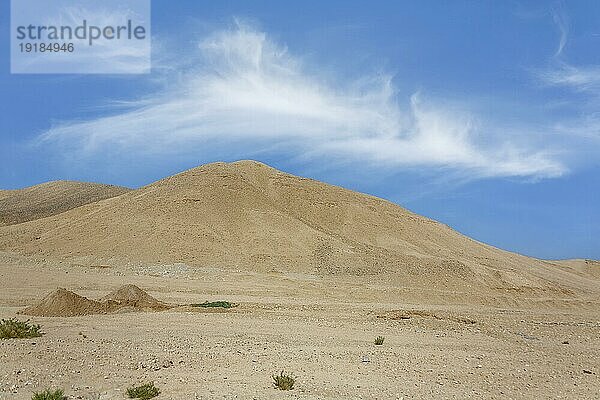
(250, 93)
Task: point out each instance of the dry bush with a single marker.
(284, 381)
(48, 394)
(14, 329)
(143, 392)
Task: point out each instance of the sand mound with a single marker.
(64, 303)
(133, 296)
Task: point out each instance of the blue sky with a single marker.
(482, 115)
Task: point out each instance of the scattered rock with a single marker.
(408, 314)
(527, 337)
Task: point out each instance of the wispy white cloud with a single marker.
(582, 78)
(561, 20)
(250, 93)
(562, 73)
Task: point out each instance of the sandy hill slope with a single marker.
(51, 198)
(249, 216)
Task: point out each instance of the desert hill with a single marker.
(248, 216)
(51, 198)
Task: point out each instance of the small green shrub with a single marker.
(48, 394)
(222, 304)
(14, 329)
(284, 381)
(379, 340)
(143, 392)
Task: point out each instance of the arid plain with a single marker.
(317, 273)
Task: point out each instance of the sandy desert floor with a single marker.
(320, 329)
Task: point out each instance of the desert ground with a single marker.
(316, 272)
(320, 329)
